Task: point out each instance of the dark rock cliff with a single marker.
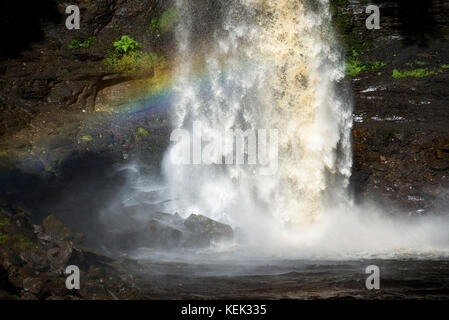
(401, 105)
(40, 72)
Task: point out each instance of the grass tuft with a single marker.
(76, 44)
(416, 73)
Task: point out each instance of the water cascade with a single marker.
(270, 65)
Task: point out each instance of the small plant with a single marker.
(417, 73)
(75, 44)
(125, 58)
(155, 25)
(165, 23)
(355, 53)
(168, 19)
(418, 63)
(87, 138)
(126, 45)
(445, 66)
(141, 134)
(4, 222)
(376, 65)
(3, 238)
(354, 67)
(138, 61)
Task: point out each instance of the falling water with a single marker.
(268, 65)
(275, 65)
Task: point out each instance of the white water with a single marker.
(275, 65)
(272, 70)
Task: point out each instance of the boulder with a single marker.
(167, 231)
(204, 231)
(32, 285)
(55, 230)
(59, 256)
(162, 234)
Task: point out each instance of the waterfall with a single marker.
(270, 65)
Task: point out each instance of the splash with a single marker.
(267, 65)
(276, 65)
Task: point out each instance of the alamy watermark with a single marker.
(73, 20)
(373, 281)
(73, 280)
(373, 21)
(206, 146)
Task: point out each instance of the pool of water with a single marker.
(291, 279)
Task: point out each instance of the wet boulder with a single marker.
(60, 255)
(203, 231)
(160, 230)
(163, 234)
(55, 230)
(169, 231)
(33, 285)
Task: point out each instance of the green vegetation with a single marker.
(134, 62)
(354, 66)
(75, 44)
(126, 45)
(355, 43)
(165, 23)
(375, 65)
(155, 25)
(420, 72)
(347, 30)
(3, 238)
(418, 63)
(141, 134)
(416, 73)
(20, 242)
(4, 222)
(87, 138)
(127, 59)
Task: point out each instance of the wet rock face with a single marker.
(409, 172)
(33, 260)
(400, 123)
(56, 231)
(39, 70)
(162, 235)
(204, 231)
(166, 231)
